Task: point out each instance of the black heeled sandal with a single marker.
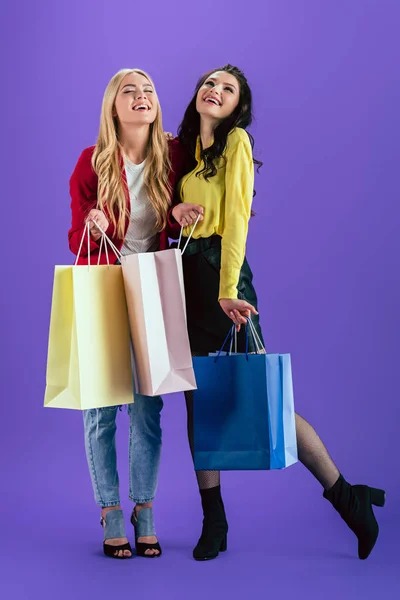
(114, 527)
(354, 504)
(143, 524)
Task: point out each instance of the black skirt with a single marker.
(208, 325)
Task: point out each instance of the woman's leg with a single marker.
(205, 479)
(145, 441)
(215, 526)
(313, 454)
(100, 429)
(353, 502)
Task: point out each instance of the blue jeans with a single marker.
(144, 450)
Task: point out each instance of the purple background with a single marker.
(324, 248)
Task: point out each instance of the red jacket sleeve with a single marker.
(83, 191)
(179, 168)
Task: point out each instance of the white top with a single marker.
(142, 235)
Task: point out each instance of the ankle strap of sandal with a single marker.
(113, 523)
(143, 522)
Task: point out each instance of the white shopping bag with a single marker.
(155, 297)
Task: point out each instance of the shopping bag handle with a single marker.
(250, 328)
(256, 338)
(230, 335)
(104, 240)
(191, 233)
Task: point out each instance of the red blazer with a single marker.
(183, 166)
(83, 190)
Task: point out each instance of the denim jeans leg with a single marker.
(100, 428)
(145, 440)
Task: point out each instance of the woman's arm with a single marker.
(178, 157)
(239, 184)
(83, 191)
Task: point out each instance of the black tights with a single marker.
(311, 452)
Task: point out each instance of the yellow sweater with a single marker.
(227, 198)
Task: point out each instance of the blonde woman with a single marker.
(124, 184)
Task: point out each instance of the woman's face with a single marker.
(218, 96)
(136, 101)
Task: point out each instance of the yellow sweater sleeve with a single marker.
(239, 187)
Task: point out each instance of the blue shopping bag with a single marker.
(243, 411)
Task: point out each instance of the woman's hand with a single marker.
(186, 214)
(96, 216)
(237, 310)
(169, 136)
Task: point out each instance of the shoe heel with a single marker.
(224, 544)
(378, 497)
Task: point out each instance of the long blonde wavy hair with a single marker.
(106, 162)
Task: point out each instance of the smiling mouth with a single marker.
(212, 101)
(141, 107)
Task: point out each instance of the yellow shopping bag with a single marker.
(89, 353)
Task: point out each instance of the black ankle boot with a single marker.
(354, 504)
(215, 526)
